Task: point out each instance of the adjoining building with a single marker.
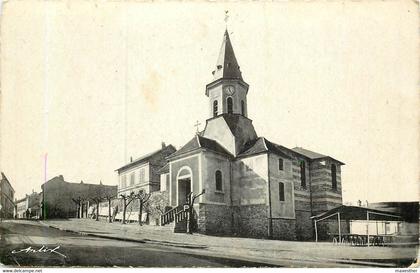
(7, 195)
(62, 199)
(253, 186)
(143, 173)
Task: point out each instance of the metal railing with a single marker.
(171, 215)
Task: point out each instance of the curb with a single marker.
(261, 260)
(142, 241)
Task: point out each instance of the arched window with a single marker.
(229, 105)
(334, 176)
(281, 164)
(243, 107)
(302, 174)
(281, 191)
(219, 181)
(215, 108)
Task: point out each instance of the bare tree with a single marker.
(109, 197)
(127, 199)
(78, 200)
(191, 199)
(143, 198)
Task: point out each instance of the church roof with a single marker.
(198, 142)
(227, 65)
(311, 154)
(308, 153)
(261, 145)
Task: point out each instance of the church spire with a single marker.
(227, 66)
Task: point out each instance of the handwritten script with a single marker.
(42, 249)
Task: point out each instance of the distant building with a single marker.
(28, 207)
(143, 173)
(7, 195)
(62, 199)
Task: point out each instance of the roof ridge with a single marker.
(265, 144)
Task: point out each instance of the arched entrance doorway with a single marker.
(184, 184)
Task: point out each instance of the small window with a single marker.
(132, 179)
(215, 108)
(141, 175)
(281, 191)
(230, 105)
(243, 107)
(302, 174)
(334, 176)
(219, 182)
(281, 164)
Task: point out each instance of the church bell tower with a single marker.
(227, 92)
(228, 123)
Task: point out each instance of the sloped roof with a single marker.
(312, 155)
(308, 153)
(358, 213)
(145, 158)
(227, 65)
(198, 142)
(260, 145)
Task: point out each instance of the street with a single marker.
(30, 244)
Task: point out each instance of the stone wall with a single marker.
(304, 226)
(214, 219)
(251, 221)
(284, 229)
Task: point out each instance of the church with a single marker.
(253, 187)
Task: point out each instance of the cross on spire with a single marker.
(226, 17)
(196, 125)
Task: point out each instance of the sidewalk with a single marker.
(292, 253)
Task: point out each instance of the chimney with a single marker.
(163, 144)
(131, 159)
(81, 181)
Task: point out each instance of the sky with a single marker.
(88, 84)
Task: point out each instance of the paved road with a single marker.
(76, 250)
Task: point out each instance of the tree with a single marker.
(97, 199)
(78, 201)
(191, 199)
(127, 199)
(143, 198)
(109, 197)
